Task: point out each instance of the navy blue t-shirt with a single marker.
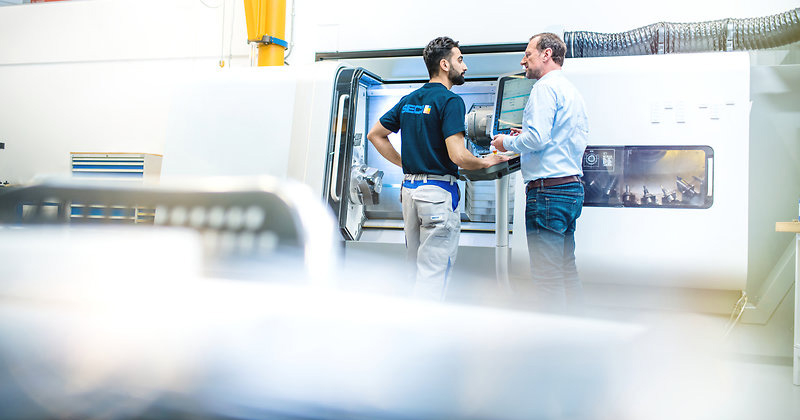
(426, 117)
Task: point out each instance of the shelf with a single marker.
(793, 227)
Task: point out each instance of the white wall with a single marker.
(77, 31)
(51, 110)
(90, 30)
(98, 75)
(364, 24)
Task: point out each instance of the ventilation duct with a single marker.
(664, 38)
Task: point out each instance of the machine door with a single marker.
(350, 184)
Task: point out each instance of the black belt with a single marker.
(550, 182)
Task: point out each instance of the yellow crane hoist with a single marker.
(266, 25)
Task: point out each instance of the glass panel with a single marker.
(363, 183)
(648, 176)
(381, 98)
(349, 182)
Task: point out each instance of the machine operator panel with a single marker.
(512, 95)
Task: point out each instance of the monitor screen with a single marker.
(512, 95)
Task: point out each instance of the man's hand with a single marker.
(492, 159)
(497, 142)
(515, 131)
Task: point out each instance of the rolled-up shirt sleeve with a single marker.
(537, 121)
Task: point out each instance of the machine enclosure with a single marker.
(287, 123)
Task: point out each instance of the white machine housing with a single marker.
(666, 100)
(288, 122)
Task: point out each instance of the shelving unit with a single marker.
(115, 167)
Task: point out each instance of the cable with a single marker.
(222, 40)
(209, 6)
(230, 39)
(291, 42)
(738, 310)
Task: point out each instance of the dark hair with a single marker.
(552, 41)
(435, 51)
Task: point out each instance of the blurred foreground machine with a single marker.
(159, 341)
(125, 321)
(242, 223)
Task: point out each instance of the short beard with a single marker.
(456, 78)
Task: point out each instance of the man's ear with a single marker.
(444, 65)
(548, 54)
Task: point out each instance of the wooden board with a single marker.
(793, 227)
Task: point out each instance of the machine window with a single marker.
(648, 176)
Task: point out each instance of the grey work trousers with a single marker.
(432, 227)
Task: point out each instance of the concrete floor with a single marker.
(693, 370)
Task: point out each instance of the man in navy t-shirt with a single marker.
(431, 125)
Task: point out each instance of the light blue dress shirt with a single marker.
(555, 130)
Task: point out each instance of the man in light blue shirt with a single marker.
(551, 143)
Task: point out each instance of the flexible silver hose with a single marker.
(664, 37)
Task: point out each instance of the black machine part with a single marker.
(648, 199)
(628, 198)
(493, 172)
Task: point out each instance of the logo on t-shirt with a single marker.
(416, 109)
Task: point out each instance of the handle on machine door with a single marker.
(337, 147)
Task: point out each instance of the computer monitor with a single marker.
(512, 95)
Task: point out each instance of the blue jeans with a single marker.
(550, 216)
